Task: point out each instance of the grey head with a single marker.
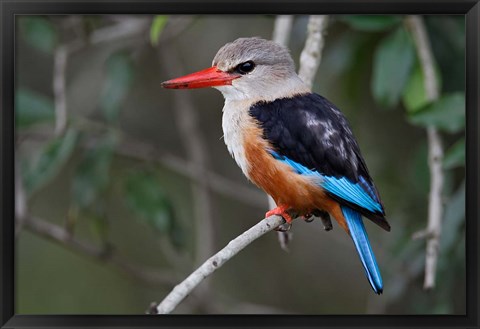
(266, 70)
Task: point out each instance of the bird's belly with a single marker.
(286, 187)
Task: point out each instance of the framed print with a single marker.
(134, 194)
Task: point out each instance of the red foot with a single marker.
(280, 211)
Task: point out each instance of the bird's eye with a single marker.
(245, 68)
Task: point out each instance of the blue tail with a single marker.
(360, 239)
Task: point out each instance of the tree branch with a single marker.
(435, 151)
(136, 149)
(59, 68)
(133, 148)
(282, 29)
(216, 261)
(60, 235)
(312, 52)
(21, 207)
(127, 28)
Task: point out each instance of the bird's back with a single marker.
(308, 131)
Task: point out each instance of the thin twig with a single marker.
(21, 207)
(216, 261)
(134, 148)
(435, 151)
(59, 235)
(312, 52)
(127, 28)
(176, 26)
(216, 182)
(59, 92)
(282, 29)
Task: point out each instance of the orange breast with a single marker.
(276, 178)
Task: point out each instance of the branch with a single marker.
(61, 236)
(312, 52)
(59, 68)
(127, 28)
(282, 29)
(218, 183)
(21, 207)
(216, 261)
(139, 150)
(435, 151)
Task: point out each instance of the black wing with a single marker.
(311, 131)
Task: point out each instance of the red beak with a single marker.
(206, 78)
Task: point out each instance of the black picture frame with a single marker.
(10, 8)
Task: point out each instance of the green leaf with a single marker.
(447, 113)
(414, 94)
(371, 23)
(52, 158)
(393, 60)
(92, 175)
(147, 199)
(32, 107)
(156, 28)
(119, 78)
(455, 155)
(39, 33)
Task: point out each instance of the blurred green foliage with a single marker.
(119, 78)
(81, 178)
(392, 65)
(414, 95)
(156, 28)
(146, 198)
(447, 113)
(396, 76)
(49, 161)
(455, 155)
(32, 107)
(93, 173)
(370, 23)
(39, 32)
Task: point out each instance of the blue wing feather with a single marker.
(341, 187)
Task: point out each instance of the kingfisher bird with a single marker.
(294, 144)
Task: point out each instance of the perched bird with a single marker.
(294, 144)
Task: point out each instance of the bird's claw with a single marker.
(308, 218)
(285, 227)
(282, 211)
(325, 217)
